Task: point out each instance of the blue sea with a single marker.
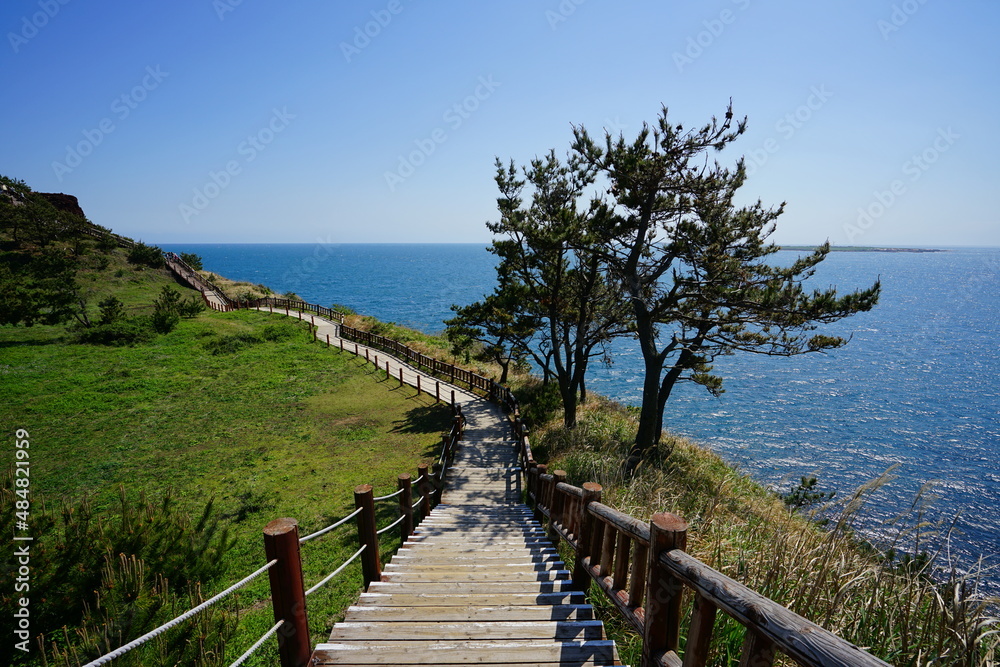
(916, 389)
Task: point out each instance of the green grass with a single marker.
(280, 427)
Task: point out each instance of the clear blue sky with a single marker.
(247, 121)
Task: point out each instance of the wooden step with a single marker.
(499, 630)
(435, 652)
(447, 577)
(439, 599)
(499, 612)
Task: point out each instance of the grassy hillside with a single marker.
(267, 424)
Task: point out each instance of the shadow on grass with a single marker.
(33, 343)
(425, 419)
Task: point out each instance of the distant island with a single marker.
(859, 248)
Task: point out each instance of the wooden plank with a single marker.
(557, 586)
(419, 630)
(458, 652)
(449, 577)
(500, 571)
(473, 613)
(470, 599)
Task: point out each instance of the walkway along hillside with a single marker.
(477, 580)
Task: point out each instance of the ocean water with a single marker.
(915, 390)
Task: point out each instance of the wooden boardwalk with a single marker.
(477, 583)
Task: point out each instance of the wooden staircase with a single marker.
(477, 583)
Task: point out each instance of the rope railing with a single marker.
(387, 497)
(180, 619)
(390, 526)
(257, 644)
(332, 526)
(338, 570)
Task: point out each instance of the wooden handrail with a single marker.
(643, 568)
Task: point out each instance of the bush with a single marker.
(166, 313)
(127, 331)
(146, 255)
(112, 310)
(191, 307)
(232, 343)
(192, 260)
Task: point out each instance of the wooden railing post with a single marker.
(663, 591)
(423, 488)
(438, 483)
(556, 507)
(371, 566)
(540, 489)
(581, 576)
(281, 542)
(530, 477)
(405, 505)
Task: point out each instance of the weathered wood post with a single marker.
(328, 340)
(371, 567)
(453, 391)
(437, 391)
(531, 484)
(400, 376)
(556, 507)
(281, 542)
(540, 489)
(405, 505)
(584, 540)
(438, 483)
(661, 632)
(418, 384)
(423, 488)
(387, 375)
(366, 355)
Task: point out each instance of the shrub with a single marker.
(146, 255)
(112, 310)
(166, 313)
(191, 306)
(232, 343)
(192, 260)
(127, 331)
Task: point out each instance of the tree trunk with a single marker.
(648, 433)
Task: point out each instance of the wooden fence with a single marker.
(643, 570)
(492, 390)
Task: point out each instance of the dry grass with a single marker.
(238, 290)
(907, 612)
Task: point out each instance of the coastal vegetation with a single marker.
(156, 462)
